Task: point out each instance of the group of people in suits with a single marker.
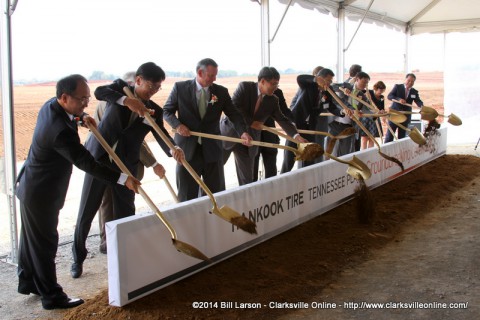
(197, 105)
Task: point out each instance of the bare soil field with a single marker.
(28, 99)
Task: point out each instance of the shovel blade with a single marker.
(346, 133)
(309, 151)
(189, 250)
(354, 171)
(453, 119)
(428, 113)
(417, 137)
(397, 117)
(232, 216)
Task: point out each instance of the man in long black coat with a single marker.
(43, 183)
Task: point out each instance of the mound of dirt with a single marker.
(301, 263)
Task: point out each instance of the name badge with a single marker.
(413, 96)
(325, 106)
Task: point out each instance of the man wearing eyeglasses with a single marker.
(42, 188)
(197, 105)
(147, 159)
(124, 129)
(257, 102)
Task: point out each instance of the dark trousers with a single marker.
(289, 157)
(92, 194)
(269, 157)
(211, 172)
(37, 251)
(401, 133)
(105, 214)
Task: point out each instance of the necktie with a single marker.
(257, 105)
(202, 104)
(202, 108)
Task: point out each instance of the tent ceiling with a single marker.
(419, 16)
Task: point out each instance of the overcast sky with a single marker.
(53, 38)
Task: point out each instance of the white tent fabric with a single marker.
(415, 16)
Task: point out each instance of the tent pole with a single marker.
(265, 30)
(341, 44)
(9, 161)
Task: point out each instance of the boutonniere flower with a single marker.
(324, 98)
(213, 99)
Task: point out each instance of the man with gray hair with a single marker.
(197, 105)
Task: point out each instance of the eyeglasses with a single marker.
(83, 100)
(274, 84)
(153, 88)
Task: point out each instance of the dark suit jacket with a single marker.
(244, 99)
(182, 108)
(117, 127)
(307, 105)
(44, 178)
(270, 122)
(398, 92)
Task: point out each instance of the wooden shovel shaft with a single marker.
(164, 137)
(412, 106)
(125, 170)
(283, 135)
(169, 187)
(238, 140)
(354, 118)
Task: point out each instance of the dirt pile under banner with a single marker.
(142, 259)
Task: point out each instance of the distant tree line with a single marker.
(100, 75)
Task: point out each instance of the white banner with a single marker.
(142, 259)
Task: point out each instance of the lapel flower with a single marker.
(324, 98)
(213, 99)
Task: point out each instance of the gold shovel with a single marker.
(360, 124)
(429, 114)
(179, 245)
(345, 133)
(224, 212)
(300, 154)
(355, 166)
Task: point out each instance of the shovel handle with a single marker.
(169, 187)
(164, 137)
(283, 135)
(238, 140)
(354, 97)
(354, 118)
(125, 170)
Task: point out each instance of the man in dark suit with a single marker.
(197, 105)
(257, 102)
(405, 93)
(269, 155)
(124, 130)
(310, 102)
(43, 183)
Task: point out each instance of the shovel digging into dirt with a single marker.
(356, 167)
(179, 245)
(224, 212)
(360, 124)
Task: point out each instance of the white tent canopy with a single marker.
(413, 16)
(410, 16)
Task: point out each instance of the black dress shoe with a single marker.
(63, 304)
(76, 270)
